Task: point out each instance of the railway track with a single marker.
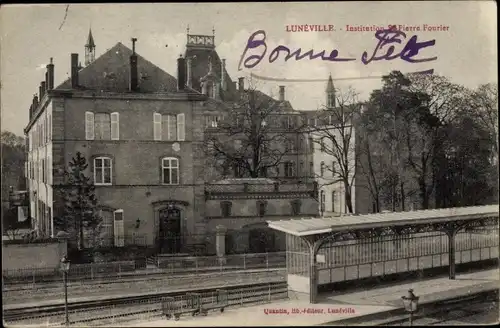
(135, 278)
(98, 312)
(443, 311)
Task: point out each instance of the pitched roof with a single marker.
(200, 57)
(111, 72)
(329, 84)
(200, 65)
(90, 40)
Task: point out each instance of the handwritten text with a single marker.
(387, 40)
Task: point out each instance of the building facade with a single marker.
(142, 132)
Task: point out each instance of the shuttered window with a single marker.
(181, 127)
(115, 126)
(89, 125)
(169, 127)
(157, 126)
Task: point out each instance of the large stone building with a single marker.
(142, 132)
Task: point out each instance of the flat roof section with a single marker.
(314, 226)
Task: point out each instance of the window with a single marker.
(49, 170)
(169, 127)
(301, 168)
(322, 144)
(170, 171)
(42, 130)
(290, 122)
(102, 126)
(322, 169)
(289, 146)
(311, 169)
(225, 208)
(102, 171)
(214, 121)
(296, 204)
(333, 168)
(261, 207)
(50, 128)
(333, 201)
(322, 202)
(263, 172)
(288, 169)
(311, 144)
(43, 170)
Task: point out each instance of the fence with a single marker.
(113, 271)
(203, 244)
(358, 259)
(228, 262)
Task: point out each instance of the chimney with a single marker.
(31, 110)
(223, 75)
(50, 71)
(34, 104)
(282, 93)
(44, 86)
(181, 73)
(74, 71)
(40, 92)
(189, 63)
(46, 80)
(241, 84)
(133, 68)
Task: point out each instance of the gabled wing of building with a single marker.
(110, 72)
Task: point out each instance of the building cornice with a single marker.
(257, 196)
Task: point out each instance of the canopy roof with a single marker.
(312, 226)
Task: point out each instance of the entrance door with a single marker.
(170, 230)
(261, 240)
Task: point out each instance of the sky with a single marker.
(32, 34)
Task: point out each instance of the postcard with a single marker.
(249, 164)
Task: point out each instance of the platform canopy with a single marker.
(314, 226)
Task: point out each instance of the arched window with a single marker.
(102, 170)
(322, 169)
(170, 171)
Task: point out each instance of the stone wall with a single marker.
(40, 255)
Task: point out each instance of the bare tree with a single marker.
(335, 134)
(484, 102)
(254, 135)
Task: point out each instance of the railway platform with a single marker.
(332, 308)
